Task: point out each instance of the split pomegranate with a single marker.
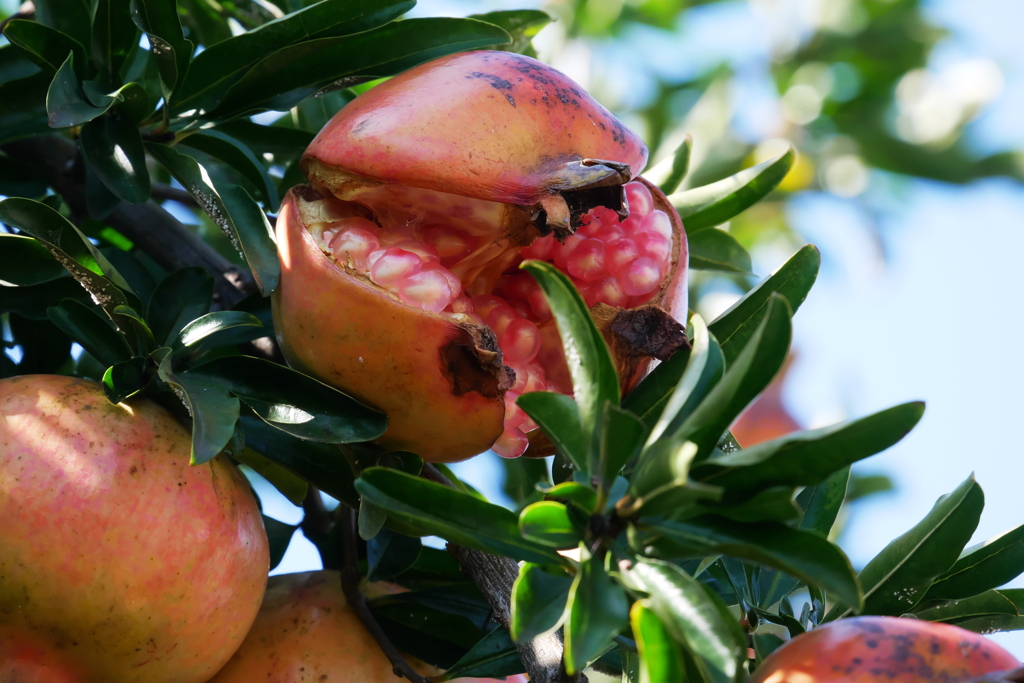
(871, 649)
(118, 561)
(400, 279)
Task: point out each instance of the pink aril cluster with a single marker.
(617, 263)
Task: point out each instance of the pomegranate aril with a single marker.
(451, 244)
(511, 444)
(462, 304)
(659, 222)
(654, 245)
(539, 306)
(353, 246)
(641, 277)
(536, 380)
(520, 342)
(528, 425)
(561, 251)
(500, 318)
(394, 264)
(606, 291)
(485, 303)
(426, 252)
(639, 198)
(540, 249)
(428, 289)
(596, 219)
(587, 260)
(454, 284)
(514, 415)
(620, 254)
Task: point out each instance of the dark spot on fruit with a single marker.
(133, 469)
(871, 643)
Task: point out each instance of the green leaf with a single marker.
(693, 617)
(234, 212)
(799, 553)
(213, 409)
(113, 37)
(180, 298)
(715, 249)
(71, 17)
(125, 379)
(807, 458)
(660, 659)
(24, 261)
(987, 603)
(213, 330)
(220, 66)
(669, 173)
(290, 485)
(550, 523)
(558, 416)
(522, 24)
(494, 656)
(538, 601)
(596, 611)
(594, 378)
(455, 516)
(293, 402)
(280, 536)
(46, 46)
(985, 566)
(714, 204)
(23, 106)
(287, 76)
(158, 19)
(898, 577)
(113, 147)
(648, 399)
(997, 615)
(793, 280)
(71, 102)
(621, 438)
(581, 495)
(239, 157)
(88, 327)
(32, 301)
(389, 554)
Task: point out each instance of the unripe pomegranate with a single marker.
(118, 561)
(896, 650)
(400, 280)
(306, 632)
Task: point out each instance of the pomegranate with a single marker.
(870, 649)
(306, 631)
(400, 279)
(118, 561)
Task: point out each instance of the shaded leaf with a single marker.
(158, 19)
(985, 566)
(89, 328)
(494, 656)
(178, 299)
(538, 601)
(559, 418)
(280, 536)
(46, 46)
(24, 261)
(239, 157)
(213, 409)
(596, 611)
(113, 146)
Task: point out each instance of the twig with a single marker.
(350, 578)
(494, 575)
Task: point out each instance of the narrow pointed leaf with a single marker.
(213, 409)
(669, 174)
(558, 416)
(494, 656)
(714, 204)
(989, 565)
(648, 399)
(538, 602)
(455, 516)
(46, 46)
(113, 146)
(597, 610)
(87, 326)
(715, 249)
(213, 330)
(279, 535)
(660, 659)
(24, 261)
(622, 438)
(113, 37)
(988, 603)
(238, 156)
(158, 19)
(178, 299)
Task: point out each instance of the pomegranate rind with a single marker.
(491, 125)
(440, 381)
(119, 561)
(870, 649)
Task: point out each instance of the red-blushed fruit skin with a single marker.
(891, 649)
(118, 561)
(307, 633)
(479, 134)
(350, 333)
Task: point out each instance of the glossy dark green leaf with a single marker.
(596, 611)
(661, 478)
(220, 66)
(45, 348)
(743, 380)
(203, 22)
(178, 299)
(239, 157)
(293, 402)
(494, 656)
(538, 601)
(669, 174)
(125, 379)
(622, 437)
(113, 37)
(100, 202)
(20, 179)
(774, 504)
(987, 603)
(370, 520)
(800, 553)
(550, 523)
(793, 280)
(66, 102)
(558, 416)
(113, 146)
(522, 24)
(213, 409)
(807, 458)
(24, 261)
(714, 204)
(648, 399)
(897, 578)
(660, 659)
(692, 616)
(89, 328)
(33, 300)
(594, 378)
(71, 17)
(992, 622)
(46, 46)
(581, 495)
(134, 328)
(213, 330)
(158, 19)
(290, 74)
(320, 464)
(455, 516)
(23, 106)
(715, 249)
(280, 536)
(389, 554)
(234, 212)
(983, 567)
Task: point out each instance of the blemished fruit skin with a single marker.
(426, 192)
(892, 649)
(307, 633)
(119, 562)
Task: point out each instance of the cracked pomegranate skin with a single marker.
(307, 633)
(399, 262)
(119, 562)
(896, 650)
